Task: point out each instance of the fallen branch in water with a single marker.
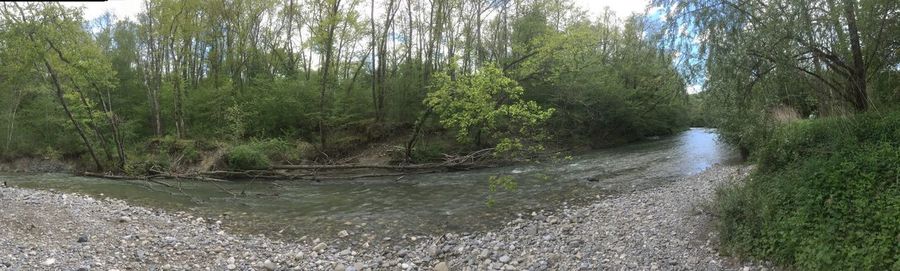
(123, 177)
(319, 172)
(106, 176)
(469, 161)
(151, 178)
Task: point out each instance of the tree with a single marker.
(74, 66)
(836, 45)
(488, 103)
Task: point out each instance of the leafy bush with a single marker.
(247, 157)
(276, 149)
(140, 165)
(180, 149)
(826, 197)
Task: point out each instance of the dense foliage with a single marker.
(826, 196)
(772, 61)
(328, 74)
(488, 103)
(808, 90)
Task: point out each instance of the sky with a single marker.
(130, 8)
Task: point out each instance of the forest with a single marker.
(806, 92)
(316, 81)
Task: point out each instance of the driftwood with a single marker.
(469, 161)
(356, 166)
(317, 172)
(164, 175)
(106, 176)
(151, 178)
(122, 177)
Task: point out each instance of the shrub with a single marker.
(826, 197)
(276, 149)
(247, 157)
(141, 165)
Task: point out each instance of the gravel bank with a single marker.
(657, 229)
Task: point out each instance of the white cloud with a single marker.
(130, 8)
(120, 8)
(694, 89)
(622, 8)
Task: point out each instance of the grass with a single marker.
(826, 196)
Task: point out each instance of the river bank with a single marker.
(660, 228)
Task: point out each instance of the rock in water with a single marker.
(343, 234)
(441, 266)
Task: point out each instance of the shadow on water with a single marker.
(419, 204)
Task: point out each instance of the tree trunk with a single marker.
(62, 101)
(12, 120)
(326, 65)
(412, 139)
(857, 82)
(153, 80)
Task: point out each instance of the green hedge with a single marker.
(826, 196)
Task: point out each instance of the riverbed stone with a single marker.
(441, 266)
(651, 228)
(320, 247)
(269, 265)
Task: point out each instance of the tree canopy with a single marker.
(340, 74)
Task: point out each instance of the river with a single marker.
(416, 204)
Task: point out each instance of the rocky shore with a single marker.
(663, 228)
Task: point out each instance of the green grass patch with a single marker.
(826, 196)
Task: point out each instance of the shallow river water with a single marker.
(416, 204)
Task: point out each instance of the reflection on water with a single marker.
(418, 204)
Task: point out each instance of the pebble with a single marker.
(269, 265)
(441, 266)
(649, 229)
(320, 247)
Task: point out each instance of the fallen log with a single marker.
(188, 177)
(158, 175)
(122, 177)
(106, 176)
(469, 161)
(356, 166)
